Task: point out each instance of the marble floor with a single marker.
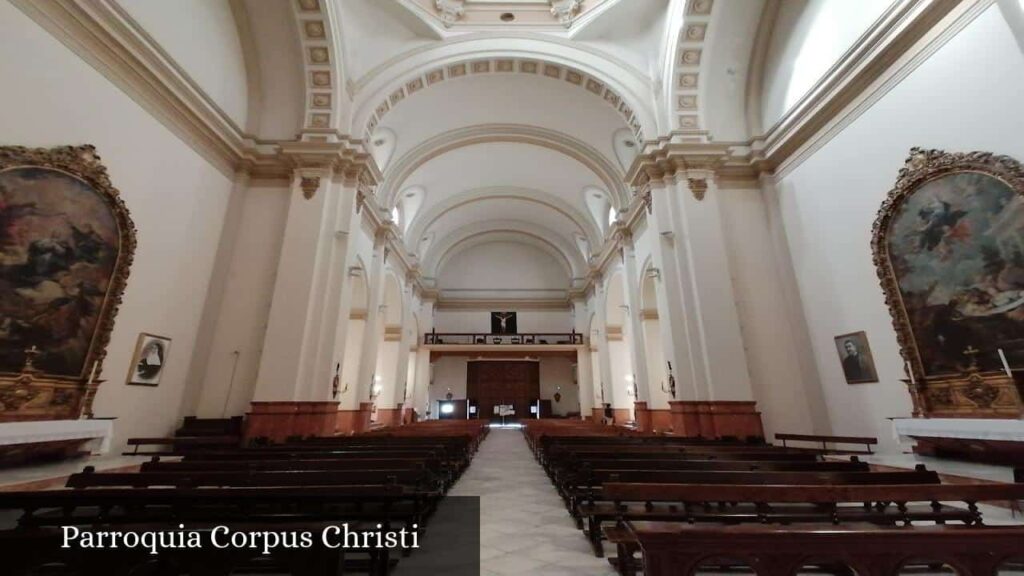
(524, 527)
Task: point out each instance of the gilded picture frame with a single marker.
(53, 252)
(946, 206)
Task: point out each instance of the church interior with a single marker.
(566, 287)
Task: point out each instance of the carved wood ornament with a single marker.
(60, 382)
(941, 227)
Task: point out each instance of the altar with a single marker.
(20, 441)
(991, 440)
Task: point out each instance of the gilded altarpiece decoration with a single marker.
(66, 246)
(949, 248)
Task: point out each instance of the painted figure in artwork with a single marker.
(957, 250)
(58, 251)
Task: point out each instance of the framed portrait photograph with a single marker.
(149, 360)
(855, 357)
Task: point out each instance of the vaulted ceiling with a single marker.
(504, 121)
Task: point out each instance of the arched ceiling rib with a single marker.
(597, 73)
(512, 230)
(427, 219)
(591, 86)
(608, 174)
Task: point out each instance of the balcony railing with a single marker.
(468, 339)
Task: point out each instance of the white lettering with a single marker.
(67, 531)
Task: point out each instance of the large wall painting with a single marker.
(949, 246)
(66, 243)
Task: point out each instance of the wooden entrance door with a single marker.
(492, 383)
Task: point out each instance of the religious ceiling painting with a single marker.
(66, 244)
(949, 248)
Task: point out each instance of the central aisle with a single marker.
(524, 526)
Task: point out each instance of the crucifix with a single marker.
(972, 353)
(503, 318)
(30, 357)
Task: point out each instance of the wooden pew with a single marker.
(865, 550)
(595, 506)
(867, 441)
(885, 505)
(182, 445)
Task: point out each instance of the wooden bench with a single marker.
(867, 441)
(886, 505)
(864, 550)
(182, 445)
(595, 506)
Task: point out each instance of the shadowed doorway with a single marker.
(491, 383)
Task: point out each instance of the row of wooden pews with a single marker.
(653, 497)
(391, 480)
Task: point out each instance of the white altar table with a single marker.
(964, 428)
(99, 432)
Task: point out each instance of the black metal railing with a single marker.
(465, 338)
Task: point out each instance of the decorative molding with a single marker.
(698, 187)
(686, 70)
(906, 35)
(576, 77)
(317, 47)
(565, 10)
(309, 185)
(450, 10)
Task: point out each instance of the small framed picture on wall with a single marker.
(855, 357)
(149, 360)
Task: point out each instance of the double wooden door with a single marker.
(493, 383)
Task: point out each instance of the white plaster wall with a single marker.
(965, 97)
(237, 343)
(201, 37)
(556, 375)
(177, 201)
(449, 372)
(789, 399)
(621, 368)
(808, 38)
(527, 321)
(281, 73)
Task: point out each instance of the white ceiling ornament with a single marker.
(565, 10)
(450, 10)
(568, 74)
(504, 14)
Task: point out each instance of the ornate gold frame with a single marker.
(83, 163)
(923, 166)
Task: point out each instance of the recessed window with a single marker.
(508, 17)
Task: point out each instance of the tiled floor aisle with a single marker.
(524, 527)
